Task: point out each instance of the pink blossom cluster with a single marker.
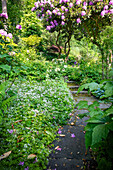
(4, 33)
(57, 13)
(4, 15)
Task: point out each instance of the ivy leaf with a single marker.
(99, 132)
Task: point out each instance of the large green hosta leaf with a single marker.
(91, 86)
(99, 132)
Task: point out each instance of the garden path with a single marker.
(69, 151)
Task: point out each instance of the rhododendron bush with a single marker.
(65, 16)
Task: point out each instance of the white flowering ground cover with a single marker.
(31, 123)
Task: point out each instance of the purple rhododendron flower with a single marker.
(84, 7)
(51, 5)
(42, 8)
(19, 27)
(43, 15)
(48, 28)
(71, 5)
(111, 2)
(66, 10)
(36, 4)
(78, 20)
(62, 23)
(83, 13)
(85, 3)
(26, 168)
(49, 12)
(73, 135)
(21, 163)
(37, 132)
(54, 11)
(53, 117)
(111, 11)
(105, 7)
(103, 13)
(62, 17)
(62, 8)
(78, 2)
(59, 13)
(33, 9)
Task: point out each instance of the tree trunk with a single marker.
(58, 44)
(112, 61)
(4, 10)
(102, 53)
(4, 6)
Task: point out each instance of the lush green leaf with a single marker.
(100, 132)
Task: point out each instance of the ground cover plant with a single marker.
(30, 124)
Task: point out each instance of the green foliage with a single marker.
(32, 40)
(5, 100)
(104, 90)
(30, 25)
(29, 126)
(9, 63)
(99, 128)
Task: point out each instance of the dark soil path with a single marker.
(69, 151)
